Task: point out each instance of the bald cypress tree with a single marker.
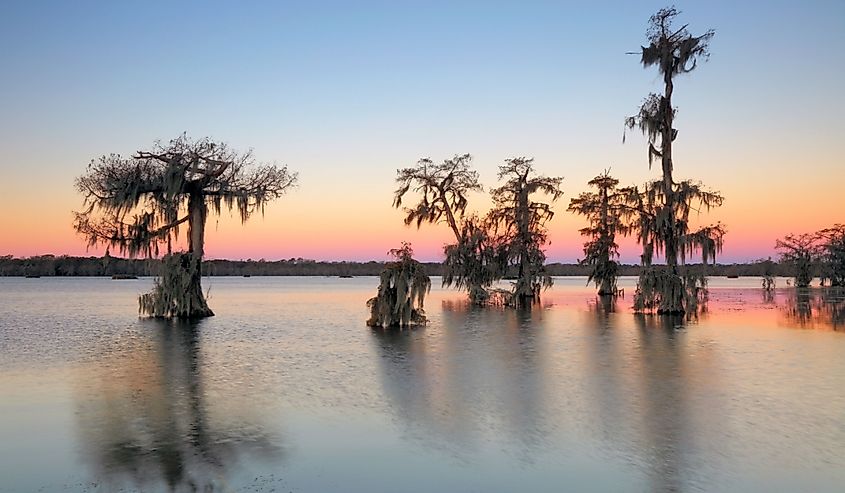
(832, 255)
(664, 205)
(606, 210)
(475, 260)
(801, 252)
(140, 205)
(403, 285)
(522, 223)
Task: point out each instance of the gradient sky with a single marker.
(347, 92)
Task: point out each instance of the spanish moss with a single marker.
(139, 204)
(521, 222)
(663, 206)
(605, 209)
(403, 286)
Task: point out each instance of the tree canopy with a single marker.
(442, 188)
(138, 203)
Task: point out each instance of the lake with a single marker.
(286, 389)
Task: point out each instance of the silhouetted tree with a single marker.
(522, 221)
(442, 188)
(801, 252)
(831, 244)
(768, 273)
(605, 209)
(472, 262)
(664, 224)
(662, 287)
(139, 204)
(401, 292)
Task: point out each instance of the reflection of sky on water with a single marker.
(287, 388)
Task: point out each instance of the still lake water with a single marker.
(286, 389)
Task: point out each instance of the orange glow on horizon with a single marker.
(333, 227)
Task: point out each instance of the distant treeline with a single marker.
(51, 265)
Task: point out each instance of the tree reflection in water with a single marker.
(145, 421)
(769, 297)
(665, 386)
(660, 398)
(816, 307)
(642, 379)
(449, 399)
(603, 306)
(527, 415)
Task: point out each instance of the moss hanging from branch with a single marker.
(663, 206)
(663, 288)
(140, 203)
(473, 261)
(476, 261)
(403, 286)
(521, 222)
(659, 288)
(831, 254)
(606, 210)
(801, 252)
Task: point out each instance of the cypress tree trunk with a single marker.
(197, 306)
(672, 296)
(606, 289)
(178, 290)
(524, 289)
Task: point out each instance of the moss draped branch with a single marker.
(137, 204)
(660, 210)
(521, 223)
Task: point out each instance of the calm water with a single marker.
(286, 389)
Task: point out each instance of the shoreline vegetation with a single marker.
(108, 266)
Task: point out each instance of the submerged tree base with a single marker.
(177, 292)
(401, 292)
(416, 318)
(662, 289)
(511, 299)
(478, 295)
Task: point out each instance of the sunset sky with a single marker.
(347, 92)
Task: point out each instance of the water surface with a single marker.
(286, 389)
